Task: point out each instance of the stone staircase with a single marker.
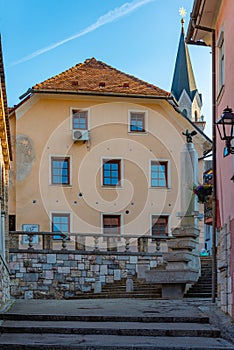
(150, 329)
(141, 289)
(203, 287)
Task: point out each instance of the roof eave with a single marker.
(202, 22)
(31, 92)
(100, 93)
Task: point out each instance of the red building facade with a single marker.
(212, 24)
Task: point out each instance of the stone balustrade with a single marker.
(86, 241)
(76, 264)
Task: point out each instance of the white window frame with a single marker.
(121, 173)
(50, 169)
(163, 160)
(146, 122)
(83, 110)
(61, 212)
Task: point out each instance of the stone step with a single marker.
(112, 328)
(124, 324)
(22, 341)
(136, 289)
(203, 287)
(201, 290)
(199, 295)
(206, 263)
(141, 289)
(136, 286)
(201, 319)
(115, 295)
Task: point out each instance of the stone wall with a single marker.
(4, 283)
(64, 274)
(225, 288)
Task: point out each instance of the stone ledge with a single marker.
(186, 231)
(82, 252)
(171, 276)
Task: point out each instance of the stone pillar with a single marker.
(97, 285)
(182, 263)
(188, 178)
(129, 282)
(47, 242)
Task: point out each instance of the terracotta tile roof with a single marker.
(98, 77)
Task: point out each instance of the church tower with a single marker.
(184, 86)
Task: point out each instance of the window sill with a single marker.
(60, 185)
(106, 187)
(79, 129)
(159, 188)
(138, 133)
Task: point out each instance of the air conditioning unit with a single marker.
(80, 135)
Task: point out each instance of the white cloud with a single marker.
(109, 17)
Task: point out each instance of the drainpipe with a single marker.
(3, 233)
(214, 201)
(2, 250)
(214, 206)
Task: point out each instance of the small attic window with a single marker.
(102, 84)
(126, 85)
(74, 83)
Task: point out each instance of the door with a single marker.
(111, 226)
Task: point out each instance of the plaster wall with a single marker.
(44, 130)
(225, 166)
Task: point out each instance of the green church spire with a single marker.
(183, 78)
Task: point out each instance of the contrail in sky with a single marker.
(101, 21)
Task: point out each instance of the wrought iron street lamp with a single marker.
(225, 127)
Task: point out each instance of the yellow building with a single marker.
(5, 158)
(98, 151)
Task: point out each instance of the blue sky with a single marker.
(140, 37)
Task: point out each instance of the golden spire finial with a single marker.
(183, 14)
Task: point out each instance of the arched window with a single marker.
(185, 113)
